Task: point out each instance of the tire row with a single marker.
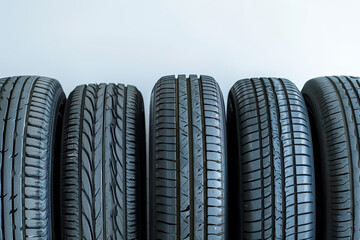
(276, 164)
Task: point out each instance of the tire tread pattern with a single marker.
(106, 122)
(336, 102)
(277, 188)
(27, 115)
(187, 189)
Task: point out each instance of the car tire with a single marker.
(103, 169)
(271, 164)
(31, 111)
(334, 108)
(187, 159)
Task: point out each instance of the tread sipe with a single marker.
(270, 161)
(103, 169)
(30, 115)
(187, 159)
(334, 108)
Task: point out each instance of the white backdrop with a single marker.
(136, 42)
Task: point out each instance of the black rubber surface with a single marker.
(187, 159)
(334, 107)
(103, 171)
(30, 114)
(2, 80)
(272, 188)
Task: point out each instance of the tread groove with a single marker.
(282, 167)
(293, 159)
(79, 162)
(204, 157)
(3, 156)
(178, 212)
(125, 160)
(103, 183)
(261, 156)
(191, 158)
(347, 133)
(13, 154)
(272, 158)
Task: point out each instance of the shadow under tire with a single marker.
(187, 159)
(31, 111)
(103, 168)
(334, 107)
(271, 164)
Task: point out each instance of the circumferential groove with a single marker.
(283, 195)
(271, 146)
(125, 161)
(191, 158)
(3, 154)
(293, 158)
(260, 137)
(205, 191)
(80, 161)
(103, 183)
